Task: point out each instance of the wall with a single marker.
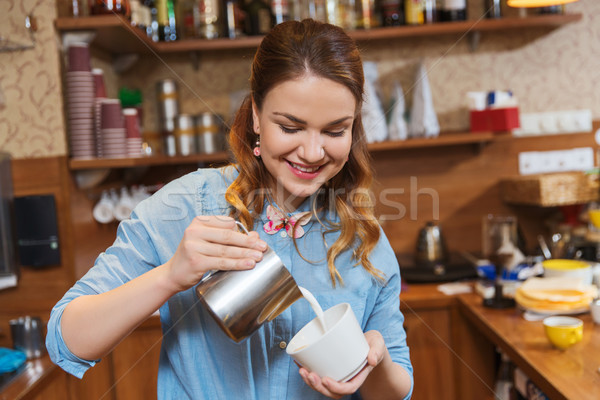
(31, 122)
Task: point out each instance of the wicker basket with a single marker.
(548, 190)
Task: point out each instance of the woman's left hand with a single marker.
(336, 390)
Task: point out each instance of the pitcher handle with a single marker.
(240, 225)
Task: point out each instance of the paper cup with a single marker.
(339, 353)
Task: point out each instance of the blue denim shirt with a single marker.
(197, 360)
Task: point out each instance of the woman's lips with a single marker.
(304, 171)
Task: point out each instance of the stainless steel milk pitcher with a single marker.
(241, 301)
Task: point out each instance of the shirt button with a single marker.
(282, 345)
(283, 234)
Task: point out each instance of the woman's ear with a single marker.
(255, 120)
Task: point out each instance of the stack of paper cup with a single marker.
(133, 134)
(99, 95)
(112, 129)
(80, 97)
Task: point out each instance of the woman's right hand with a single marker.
(212, 243)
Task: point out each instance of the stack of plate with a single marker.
(565, 295)
(80, 98)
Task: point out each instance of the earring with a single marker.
(256, 149)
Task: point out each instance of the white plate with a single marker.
(533, 314)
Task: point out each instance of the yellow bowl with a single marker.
(568, 268)
(563, 332)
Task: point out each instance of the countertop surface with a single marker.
(32, 374)
(570, 374)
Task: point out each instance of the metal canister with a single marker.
(209, 133)
(185, 136)
(168, 109)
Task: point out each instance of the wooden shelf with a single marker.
(115, 35)
(96, 163)
(445, 139)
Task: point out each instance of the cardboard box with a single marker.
(500, 120)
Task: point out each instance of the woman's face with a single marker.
(305, 129)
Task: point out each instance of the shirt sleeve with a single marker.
(386, 316)
(130, 256)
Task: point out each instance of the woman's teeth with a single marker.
(304, 169)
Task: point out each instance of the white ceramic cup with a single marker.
(340, 353)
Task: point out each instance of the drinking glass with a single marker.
(499, 242)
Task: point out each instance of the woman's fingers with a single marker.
(218, 230)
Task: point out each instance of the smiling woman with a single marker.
(299, 147)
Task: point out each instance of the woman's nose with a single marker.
(312, 149)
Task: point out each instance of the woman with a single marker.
(300, 184)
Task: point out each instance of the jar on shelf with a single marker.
(209, 133)
(185, 137)
(168, 109)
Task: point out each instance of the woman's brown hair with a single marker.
(291, 50)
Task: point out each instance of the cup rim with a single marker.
(559, 321)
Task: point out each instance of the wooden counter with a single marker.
(452, 340)
(569, 374)
(40, 379)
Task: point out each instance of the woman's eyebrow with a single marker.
(299, 121)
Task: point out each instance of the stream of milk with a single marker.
(315, 306)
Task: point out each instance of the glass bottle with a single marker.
(167, 25)
(365, 14)
(430, 11)
(454, 10)
(413, 12)
(151, 20)
(492, 9)
(259, 18)
(110, 7)
(188, 18)
(280, 10)
(392, 12)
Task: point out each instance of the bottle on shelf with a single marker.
(366, 17)
(167, 24)
(392, 12)
(110, 7)
(454, 10)
(492, 9)
(151, 17)
(259, 19)
(347, 14)
(187, 14)
(137, 17)
(280, 10)
(413, 12)
(431, 11)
